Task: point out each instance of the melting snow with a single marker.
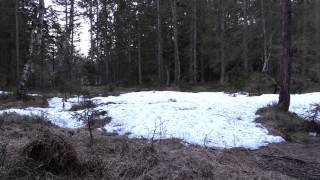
(208, 118)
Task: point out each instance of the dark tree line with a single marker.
(235, 43)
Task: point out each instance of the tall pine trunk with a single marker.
(304, 34)
(195, 61)
(317, 34)
(159, 44)
(285, 64)
(17, 41)
(222, 43)
(175, 41)
(245, 37)
(139, 57)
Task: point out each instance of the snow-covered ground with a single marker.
(208, 118)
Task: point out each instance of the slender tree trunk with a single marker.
(72, 27)
(97, 46)
(34, 48)
(222, 43)
(175, 41)
(304, 50)
(285, 64)
(139, 60)
(66, 13)
(92, 49)
(17, 41)
(245, 37)
(195, 61)
(159, 43)
(265, 46)
(317, 34)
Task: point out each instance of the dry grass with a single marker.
(288, 125)
(10, 101)
(39, 150)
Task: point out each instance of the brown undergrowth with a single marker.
(36, 149)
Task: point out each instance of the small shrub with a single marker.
(87, 104)
(314, 113)
(89, 117)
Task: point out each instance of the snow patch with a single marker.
(209, 119)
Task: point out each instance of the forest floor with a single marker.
(34, 147)
(30, 148)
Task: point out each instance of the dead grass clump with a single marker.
(289, 125)
(10, 101)
(3, 153)
(139, 162)
(54, 153)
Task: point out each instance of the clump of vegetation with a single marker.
(86, 104)
(89, 117)
(286, 124)
(314, 113)
(3, 153)
(10, 101)
(54, 153)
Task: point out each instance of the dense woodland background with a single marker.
(157, 43)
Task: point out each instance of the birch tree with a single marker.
(34, 47)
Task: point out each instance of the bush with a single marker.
(87, 104)
(314, 113)
(89, 118)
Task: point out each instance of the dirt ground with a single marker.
(118, 157)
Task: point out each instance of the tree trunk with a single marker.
(317, 34)
(175, 41)
(91, 54)
(304, 34)
(34, 48)
(265, 46)
(72, 28)
(245, 37)
(159, 43)
(285, 64)
(194, 70)
(17, 41)
(222, 43)
(139, 60)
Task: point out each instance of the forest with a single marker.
(234, 44)
(159, 89)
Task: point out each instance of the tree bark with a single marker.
(317, 34)
(17, 41)
(222, 43)
(175, 41)
(195, 61)
(159, 44)
(264, 32)
(34, 48)
(245, 37)
(285, 64)
(139, 59)
(304, 34)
